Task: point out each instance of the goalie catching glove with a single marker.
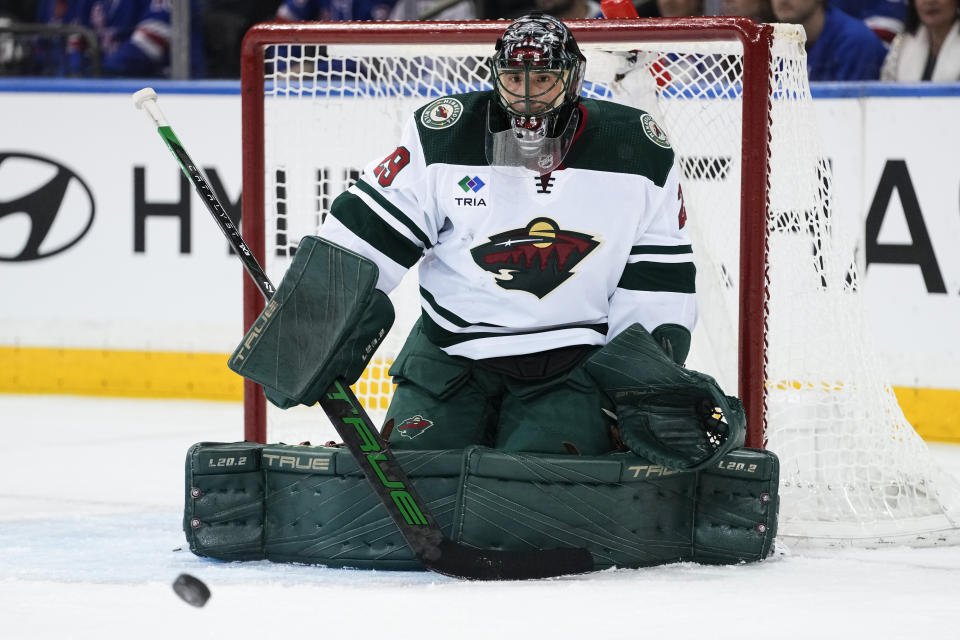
(324, 323)
(672, 416)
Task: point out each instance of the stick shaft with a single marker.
(193, 173)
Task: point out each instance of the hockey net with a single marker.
(777, 275)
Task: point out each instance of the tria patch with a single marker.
(654, 132)
(470, 202)
(441, 113)
(414, 426)
(537, 258)
(471, 184)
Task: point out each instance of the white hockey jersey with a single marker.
(516, 263)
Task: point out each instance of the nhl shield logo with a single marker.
(441, 113)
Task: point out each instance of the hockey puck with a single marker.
(191, 590)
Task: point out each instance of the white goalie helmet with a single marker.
(537, 74)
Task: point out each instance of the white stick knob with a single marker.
(146, 99)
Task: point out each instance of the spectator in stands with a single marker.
(334, 10)
(929, 47)
(570, 9)
(134, 37)
(759, 10)
(224, 24)
(839, 47)
(50, 51)
(340, 10)
(18, 10)
(884, 17)
(680, 8)
(433, 10)
(647, 8)
(500, 9)
(15, 50)
(288, 58)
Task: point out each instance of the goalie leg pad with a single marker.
(676, 417)
(312, 505)
(324, 323)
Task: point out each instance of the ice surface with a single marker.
(91, 494)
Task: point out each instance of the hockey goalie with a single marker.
(558, 300)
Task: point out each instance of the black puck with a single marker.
(191, 590)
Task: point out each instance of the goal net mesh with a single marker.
(853, 470)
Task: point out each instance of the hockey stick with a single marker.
(398, 495)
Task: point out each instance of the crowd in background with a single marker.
(897, 40)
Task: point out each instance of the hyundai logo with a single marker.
(45, 208)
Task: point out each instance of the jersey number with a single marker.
(682, 217)
(387, 170)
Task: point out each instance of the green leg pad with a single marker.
(330, 515)
(312, 505)
(518, 501)
(305, 504)
(627, 511)
(223, 513)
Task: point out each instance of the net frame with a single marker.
(866, 479)
(756, 41)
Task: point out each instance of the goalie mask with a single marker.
(537, 74)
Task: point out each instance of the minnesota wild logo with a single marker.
(414, 426)
(537, 258)
(441, 113)
(654, 132)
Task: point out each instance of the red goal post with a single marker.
(756, 42)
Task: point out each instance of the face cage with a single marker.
(534, 105)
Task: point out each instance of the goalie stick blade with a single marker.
(489, 564)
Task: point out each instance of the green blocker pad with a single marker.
(317, 508)
(324, 322)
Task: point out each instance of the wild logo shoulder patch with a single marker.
(441, 113)
(537, 258)
(654, 132)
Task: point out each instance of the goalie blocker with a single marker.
(324, 322)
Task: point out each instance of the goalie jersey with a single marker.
(511, 262)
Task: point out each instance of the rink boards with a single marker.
(132, 292)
